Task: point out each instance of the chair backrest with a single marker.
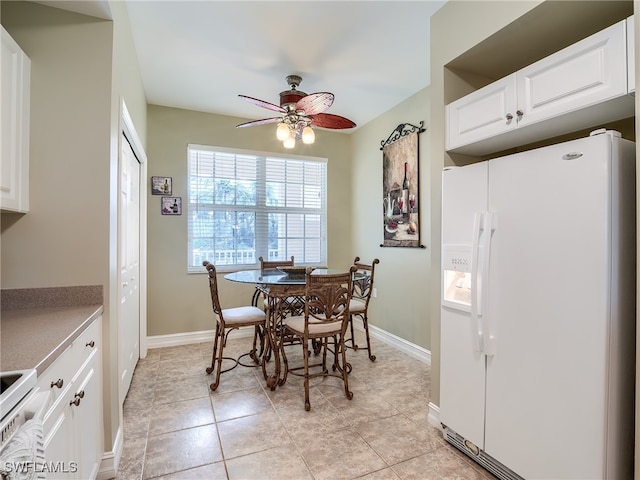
(327, 298)
(266, 264)
(362, 287)
(213, 286)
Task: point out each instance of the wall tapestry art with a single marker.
(400, 202)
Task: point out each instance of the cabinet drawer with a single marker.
(87, 343)
(57, 378)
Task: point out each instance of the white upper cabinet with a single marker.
(591, 71)
(14, 150)
(578, 87)
(631, 56)
(483, 114)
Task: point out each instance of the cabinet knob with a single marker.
(91, 344)
(519, 113)
(58, 384)
(80, 394)
(75, 402)
(509, 116)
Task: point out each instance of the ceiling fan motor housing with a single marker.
(289, 98)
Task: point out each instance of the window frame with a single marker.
(261, 234)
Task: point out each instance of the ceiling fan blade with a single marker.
(264, 121)
(315, 103)
(263, 104)
(327, 120)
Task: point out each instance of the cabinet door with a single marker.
(60, 458)
(14, 147)
(482, 114)
(87, 422)
(631, 56)
(588, 72)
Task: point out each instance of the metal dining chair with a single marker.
(359, 305)
(229, 319)
(326, 317)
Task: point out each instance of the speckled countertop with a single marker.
(37, 325)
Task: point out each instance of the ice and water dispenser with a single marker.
(456, 265)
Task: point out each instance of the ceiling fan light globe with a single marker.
(282, 132)
(289, 142)
(308, 135)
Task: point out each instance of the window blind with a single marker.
(243, 205)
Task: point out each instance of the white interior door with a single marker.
(129, 261)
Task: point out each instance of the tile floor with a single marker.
(174, 428)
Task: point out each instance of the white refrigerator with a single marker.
(538, 310)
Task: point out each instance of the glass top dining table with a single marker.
(278, 289)
(274, 277)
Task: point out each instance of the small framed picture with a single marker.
(171, 205)
(161, 185)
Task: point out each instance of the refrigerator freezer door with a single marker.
(462, 385)
(549, 284)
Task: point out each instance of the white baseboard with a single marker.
(416, 351)
(187, 338)
(434, 416)
(111, 460)
(173, 340)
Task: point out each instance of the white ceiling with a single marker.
(200, 55)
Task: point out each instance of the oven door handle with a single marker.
(37, 405)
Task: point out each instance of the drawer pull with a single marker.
(58, 384)
(91, 344)
(75, 402)
(80, 394)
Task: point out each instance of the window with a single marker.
(245, 205)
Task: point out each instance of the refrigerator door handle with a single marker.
(476, 311)
(488, 338)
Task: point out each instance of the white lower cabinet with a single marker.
(73, 429)
(578, 87)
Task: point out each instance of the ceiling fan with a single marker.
(300, 112)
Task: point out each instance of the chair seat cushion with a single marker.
(296, 325)
(243, 315)
(357, 305)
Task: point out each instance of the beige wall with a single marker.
(180, 302)
(81, 68)
(403, 275)
(69, 151)
(126, 87)
(468, 54)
